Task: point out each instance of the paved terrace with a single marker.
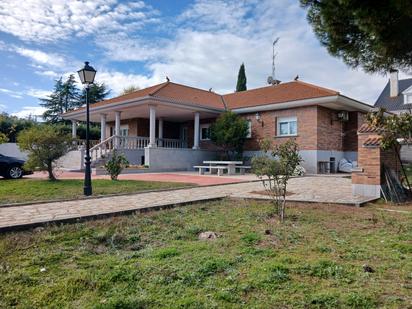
(304, 189)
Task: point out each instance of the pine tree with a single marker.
(367, 34)
(65, 97)
(241, 79)
(97, 92)
(53, 103)
(70, 94)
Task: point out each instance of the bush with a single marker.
(116, 164)
(275, 171)
(3, 138)
(229, 132)
(45, 145)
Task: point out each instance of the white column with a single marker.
(152, 131)
(160, 132)
(117, 129)
(196, 131)
(103, 127)
(74, 128)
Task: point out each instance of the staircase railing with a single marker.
(104, 148)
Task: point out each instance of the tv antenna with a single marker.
(272, 79)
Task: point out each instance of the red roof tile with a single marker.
(367, 128)
(374, 141)
(186, 94)
(291, 91)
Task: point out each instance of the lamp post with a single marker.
(87, 75)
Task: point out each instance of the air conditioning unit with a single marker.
(343, 116)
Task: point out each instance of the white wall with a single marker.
(406, 153)
(173, 159)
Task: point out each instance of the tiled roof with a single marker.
(374, 141)
(130, 96)
(395, 103)
(186, 94)
(290, 91)
(367, 128)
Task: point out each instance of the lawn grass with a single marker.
(155, 260)
(28, 190)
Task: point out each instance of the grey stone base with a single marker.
(311, 157)
(366, 190)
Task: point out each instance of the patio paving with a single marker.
(184, 177)
(304, 189)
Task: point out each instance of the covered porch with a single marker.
(151, 123)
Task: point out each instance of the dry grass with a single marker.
(155, 260)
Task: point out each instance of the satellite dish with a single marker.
(270, 80)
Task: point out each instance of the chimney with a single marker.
(394, 83)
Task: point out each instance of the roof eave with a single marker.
(72, 115)
(306, 102)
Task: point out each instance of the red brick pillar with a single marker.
(367, 177)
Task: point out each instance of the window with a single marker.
(124, 130)
(287, 126)
(205, 132)
(408, 98)
(249, 129)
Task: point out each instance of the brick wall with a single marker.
(369, 163)
(307, 121)
(370, 160)
(318, 128)
(351, 127)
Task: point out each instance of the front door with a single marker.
(124, 132)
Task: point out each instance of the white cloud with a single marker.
(48, 73)
(30, 111)
(38, 93)
(2, 107)
(215, 37)
(12, 93)
(118, 81)
(52, 21)
(206, 44)
(40, 57)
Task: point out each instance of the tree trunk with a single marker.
(50, 171)
(282, 209)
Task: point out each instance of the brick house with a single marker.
(166, 126)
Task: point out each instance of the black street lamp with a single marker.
(87, 75)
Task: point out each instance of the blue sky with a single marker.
(200, 43)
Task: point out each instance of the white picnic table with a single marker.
(231, 165)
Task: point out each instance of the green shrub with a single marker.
(116, 164)
(230, 132)
(3, 138)
(45, 145)
(251, 238)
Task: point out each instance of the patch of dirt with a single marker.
(265, 193)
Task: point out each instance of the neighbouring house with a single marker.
(396, 98)
(166, 126)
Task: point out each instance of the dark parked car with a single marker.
(12, 168)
